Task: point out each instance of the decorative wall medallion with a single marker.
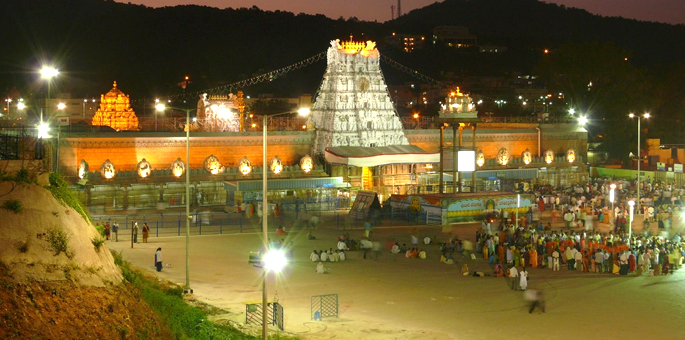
(480, 158)
(549, 156)
(276, 165)
(245, 166)
(212, 165)
(178, 168)
(306, 164)
(527, 157)
(144, 168)
(503, 156)
(82, 169)
(571, 155)
(108, 170)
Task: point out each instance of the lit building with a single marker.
(454, 36)
(405, 42)
(115, 111)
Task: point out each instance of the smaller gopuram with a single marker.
(220, 113)
(115, 111)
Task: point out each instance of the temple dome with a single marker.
(115, 111)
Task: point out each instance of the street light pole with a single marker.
(161, 107)
(187, 288)
(265, 236)
(611, 198)
(265, 239)
(639, 155)
(630, 227)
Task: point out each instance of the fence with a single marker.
(214, 223)
(324, 306)
(274, 316)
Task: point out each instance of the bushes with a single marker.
(58, 240)
(60, 190)
(14, 206)
(183, 320)
(98, 242)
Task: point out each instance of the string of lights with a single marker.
(411, 72)
(268, 76)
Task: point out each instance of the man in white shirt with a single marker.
(555, 259)
(514, 275)
(579, 260)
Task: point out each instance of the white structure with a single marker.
(353, 106)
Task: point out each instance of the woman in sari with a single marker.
(533, 258)
(616, 267)
(631, 262)
(666, 266)
(517, 257)
(500, 252)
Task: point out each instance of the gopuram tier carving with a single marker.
(353, 106)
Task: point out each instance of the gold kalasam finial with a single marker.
(115, 84)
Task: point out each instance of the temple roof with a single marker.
(114, 92)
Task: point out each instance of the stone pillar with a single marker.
(473, 142)
(442, 159)
(455, 175)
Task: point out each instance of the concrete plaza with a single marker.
(400, 298)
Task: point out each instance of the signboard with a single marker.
(661, 166)
(466, 160)
(678, 168)
(365, 201)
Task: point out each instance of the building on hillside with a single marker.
(115, 111)
(454, 36)
(405, 42)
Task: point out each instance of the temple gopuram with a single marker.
(115, 111)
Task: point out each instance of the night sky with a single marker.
(668, 11)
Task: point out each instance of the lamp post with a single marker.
(639, 154)
(518, 205)
(611, 198)
(162, 107)
(265, 236)
(47, 73)
(630, 225)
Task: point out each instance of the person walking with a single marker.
(523, 279)
(555, 260)
(367, 228)
(115, 232)
(135, 232)
(146, 232)
(537, 299)
(158, 259)
(514, 275)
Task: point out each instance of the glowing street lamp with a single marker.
(639, 154)
(611, 199)
(265, 236)
(162, 107)
(582, 120)
(47, 73)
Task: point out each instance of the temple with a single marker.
(354, 117)
(115, 111)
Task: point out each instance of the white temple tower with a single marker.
(353, 106)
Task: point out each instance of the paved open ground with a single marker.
(400, 298)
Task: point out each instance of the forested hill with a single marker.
(532, 23)
(148, 51)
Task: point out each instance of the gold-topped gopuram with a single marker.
(115, 111)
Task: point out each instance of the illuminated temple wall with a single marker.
(125, 151)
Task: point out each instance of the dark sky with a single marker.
(668, 11)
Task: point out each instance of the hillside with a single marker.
(148, 50)
(54, 283)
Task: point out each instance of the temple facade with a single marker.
(353, 107)
(115, 111)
